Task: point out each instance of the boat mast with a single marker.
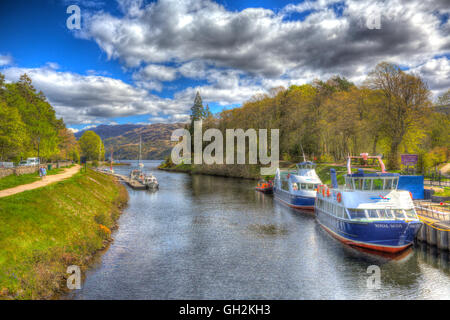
(140, 142)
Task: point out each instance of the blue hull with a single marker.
(294, 201)
(388, 236)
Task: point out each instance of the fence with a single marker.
(437, 179)
(4, 172)
(431, 210)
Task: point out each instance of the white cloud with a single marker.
(5, 60)
(202, 39)
(93, 99)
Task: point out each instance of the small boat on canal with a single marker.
(265, 186)
(297, 189)
(368, 211)
(149, 181)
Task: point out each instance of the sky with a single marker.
(138, 61)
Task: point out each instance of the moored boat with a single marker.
(265, 186)
(149, 181)
(368, 211)
(297, 189)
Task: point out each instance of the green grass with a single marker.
(445, 193)
(323, 171)
(12, 180)
(43, 231)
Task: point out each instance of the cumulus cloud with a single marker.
(5, 60)
(436, 73)
(88, 99)
(260, 42)
(238, 54)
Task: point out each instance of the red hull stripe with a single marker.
(390, 249)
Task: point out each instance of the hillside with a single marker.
(124, 139)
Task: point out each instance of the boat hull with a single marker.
(264, 190)
(387, 236)
(294, 201)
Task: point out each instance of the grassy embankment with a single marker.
(43, 231)
(445, 192)
(12, 180)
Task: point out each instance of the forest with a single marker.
(29, 127)
(391, 113)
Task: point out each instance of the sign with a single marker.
(409, 159)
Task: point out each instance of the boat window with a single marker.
(394, 183)
(357, 214)
(411, 214)
(372, 213)
(367, 184)
(340, 212)
(310, 186)
(377, 184)
(303, 186)
(388, 184)
(399, 213)
(385, 213)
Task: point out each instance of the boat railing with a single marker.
(432, 210)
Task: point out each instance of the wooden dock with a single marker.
(130, 182)
(435, 230)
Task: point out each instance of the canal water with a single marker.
(204, 237)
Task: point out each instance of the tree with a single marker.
(405, 98)
(444, 99)
(197, 110)
(12, 132)
(68, 145)
(91, 146)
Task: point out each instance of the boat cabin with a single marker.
(371, 181)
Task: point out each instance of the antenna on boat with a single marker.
(301, 147)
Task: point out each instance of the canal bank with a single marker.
(208, 237)
(45, 230)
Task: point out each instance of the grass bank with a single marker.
(12, 180)
(43, 231)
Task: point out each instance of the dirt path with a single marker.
(41, 183)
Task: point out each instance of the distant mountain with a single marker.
(108, 131)
(124, 140)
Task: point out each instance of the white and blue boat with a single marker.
(297, 188)
(368, 211)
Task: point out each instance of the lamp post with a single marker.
(39, 142)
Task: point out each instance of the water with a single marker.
(203, 237)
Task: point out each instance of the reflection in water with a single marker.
(204, 237)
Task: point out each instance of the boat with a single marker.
(135, 174)
(265, 186)
(368, 211)
(297, 189)
(149, 181)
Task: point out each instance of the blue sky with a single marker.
(142, 62)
